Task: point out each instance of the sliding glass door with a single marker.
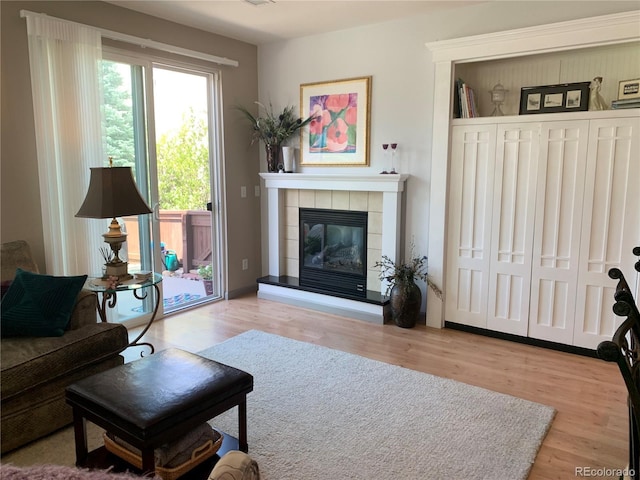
(161, 120)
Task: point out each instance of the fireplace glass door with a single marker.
(333, 250)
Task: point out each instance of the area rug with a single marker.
(318, 413)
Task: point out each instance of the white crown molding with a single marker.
(603, 30)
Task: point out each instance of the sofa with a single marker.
(35, 370)
(233, 465)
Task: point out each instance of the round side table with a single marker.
(135, 285)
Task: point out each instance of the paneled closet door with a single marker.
(610, 225)
(512, 227)
(469, 224)
(558, 217)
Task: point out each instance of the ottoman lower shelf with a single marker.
(199, 455)
(102, 458)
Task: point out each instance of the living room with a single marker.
(393, 53)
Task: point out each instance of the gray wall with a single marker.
(21, 216)
(395, 55)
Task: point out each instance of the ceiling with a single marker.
(284, 19)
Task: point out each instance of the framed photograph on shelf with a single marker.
(339, 134)
(629, 89)
(566, 97)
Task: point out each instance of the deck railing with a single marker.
(186, 232)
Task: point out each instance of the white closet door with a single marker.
(512, 227)
(610, 225)
(469, 224)
(558, 217)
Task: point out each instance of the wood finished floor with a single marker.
(590, 427)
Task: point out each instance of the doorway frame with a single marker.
(216, 161)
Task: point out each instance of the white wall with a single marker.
(394, 54)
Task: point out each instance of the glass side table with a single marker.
(135, 285)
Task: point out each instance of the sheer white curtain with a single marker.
(65, 62)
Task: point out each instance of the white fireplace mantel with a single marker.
(391, 186)
(335, 181)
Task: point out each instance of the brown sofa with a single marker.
(34, 371)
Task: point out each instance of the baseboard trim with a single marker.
(526, 340)
(239, 292)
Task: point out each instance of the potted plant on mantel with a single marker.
(404, 295)
(274, 130)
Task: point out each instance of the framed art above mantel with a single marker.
(339, 133)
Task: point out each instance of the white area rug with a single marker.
(322, 414)
(317, 413)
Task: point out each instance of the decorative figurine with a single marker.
(596, 102)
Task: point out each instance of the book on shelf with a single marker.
(464, 102)
(626, 103)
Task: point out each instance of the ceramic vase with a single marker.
(405, 300)
(289, 159)
(273, 157)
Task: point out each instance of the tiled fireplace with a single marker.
(380, 196)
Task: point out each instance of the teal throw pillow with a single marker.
(38, 305)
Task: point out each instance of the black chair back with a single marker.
(624, 350)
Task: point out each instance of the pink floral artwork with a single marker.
(334, 128)
(339, 131)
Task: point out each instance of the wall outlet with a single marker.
(256, 190)
(243, 192)
(245, 264)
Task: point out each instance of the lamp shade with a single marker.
(112, 193)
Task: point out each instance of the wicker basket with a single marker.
(199, 455)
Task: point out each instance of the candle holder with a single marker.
(498, 94)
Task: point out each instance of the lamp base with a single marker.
(117, 269)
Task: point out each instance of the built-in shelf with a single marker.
(545, 117)
(612, 62)
(511, 48)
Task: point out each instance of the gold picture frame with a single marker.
(339, 134)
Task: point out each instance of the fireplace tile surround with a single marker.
(370, 202)
(379, 195)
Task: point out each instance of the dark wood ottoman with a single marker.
(152, 401)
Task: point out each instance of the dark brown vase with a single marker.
(405, 301)
(273, 157)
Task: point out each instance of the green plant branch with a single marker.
(271, 128)
(405, 273)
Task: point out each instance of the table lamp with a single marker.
(113, 193)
